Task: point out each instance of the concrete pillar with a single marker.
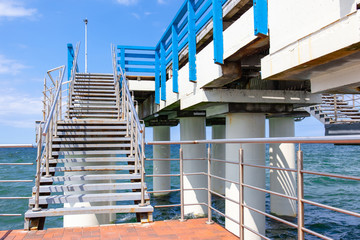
(218, 152)
(161, 133)
(282, 156)
(246, 125)
(86, 220)
(193, 128)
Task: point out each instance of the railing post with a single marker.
(335, 108)
(38, 174)
(241, 193)
(209, 221)
(136, 150)
(181, 158)
(143, 167)
(300, 190)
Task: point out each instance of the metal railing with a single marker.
(135, 129)
(14, 180)
(239, 161)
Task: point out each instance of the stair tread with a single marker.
(90, 152)
(99, 145)
(100, 197)
(91, 139)
(86, 210)
(94, 159)
(75, 133)
(90, 177)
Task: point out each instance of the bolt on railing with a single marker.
(301, 229)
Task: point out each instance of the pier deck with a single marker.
(172, 229)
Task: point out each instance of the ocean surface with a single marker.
(339, 159)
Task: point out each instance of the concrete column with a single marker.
(282, 156)
(193, 128)
(246, 125)
(218, 152)
(161, 133)
(86, 220)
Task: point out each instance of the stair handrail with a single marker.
(72, 78)
(137, 130)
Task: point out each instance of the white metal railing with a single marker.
(341, 108)
(239, 161)
(135, 129)
(54, 103)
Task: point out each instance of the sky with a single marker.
(33, 39)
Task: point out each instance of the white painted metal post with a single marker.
(86, 52)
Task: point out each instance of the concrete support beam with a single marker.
(246, 125)
(161, 133)
(282, 156)
(218, 152)
(193, 128)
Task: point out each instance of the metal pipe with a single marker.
(332, 175)
(271, 168)
(17, 145)
(86, 52)
(300, 196)
(182, 219)
(270, 192)
(166, 206)
(38, 173)
(241, 193)
(142, 169)
(209, 221)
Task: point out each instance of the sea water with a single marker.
(329, 158)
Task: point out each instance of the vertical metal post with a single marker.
(143, 167)
(175, 58)
(335, 108)
(60, 106)
(209, 221)
(38, 174)
(192, 40)
(44, 101)
(86, 52)
(218, 31)
(181, 158)
(163, 70)
(241, 193)
(157, 77)
(136, 150)
(300, 189)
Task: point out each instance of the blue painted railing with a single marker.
(71, 55)
(139, 61)
(191, 18)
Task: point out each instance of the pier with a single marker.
(226, 64)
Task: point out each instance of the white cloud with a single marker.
(14, 105)
(135, 15)
(9, 66)
(161, 1)
(127, 2)
(10, 8)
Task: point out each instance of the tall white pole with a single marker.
(86, 55)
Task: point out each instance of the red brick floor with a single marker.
(194, 229)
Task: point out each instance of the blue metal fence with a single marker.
(71, 55)
(191, 18)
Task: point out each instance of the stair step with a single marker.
(90, 139)
(87, 90)
(92, 111)
(77, 106)
(109, 99)
(92, 168)
(88, 187)
(106, 145)
(93, 83)
(94, 116)
(103, 197)
(82, 94)
(97, 103)
(91, 122)
(87, 210)
(77, 127)
(94, 177)
(95, 152)
(92, 160)
(81, 86)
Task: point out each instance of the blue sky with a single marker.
(34, 35)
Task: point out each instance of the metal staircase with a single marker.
(91, 161)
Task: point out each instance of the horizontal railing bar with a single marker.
(10, 215)
(17, 146)
(167, 206)
(332, 175)
(10, 198)
(163, 175)
(224, 161)
(331, 208)
(332, 139)
(271, 216)
(224, 215)
(197, 173)
(268, 167)
(271, 192)
(16, 164)
(224, 179)
(162, 159)
(255, 232)
(164, 191)
(15, 181)
(316, 234)
(195, 204)
(195, 189)
(136, 48)
(224, 197)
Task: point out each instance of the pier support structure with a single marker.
(245, 125)
(193, 128)
(282, 156)
(161, 133)
(218, 152)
